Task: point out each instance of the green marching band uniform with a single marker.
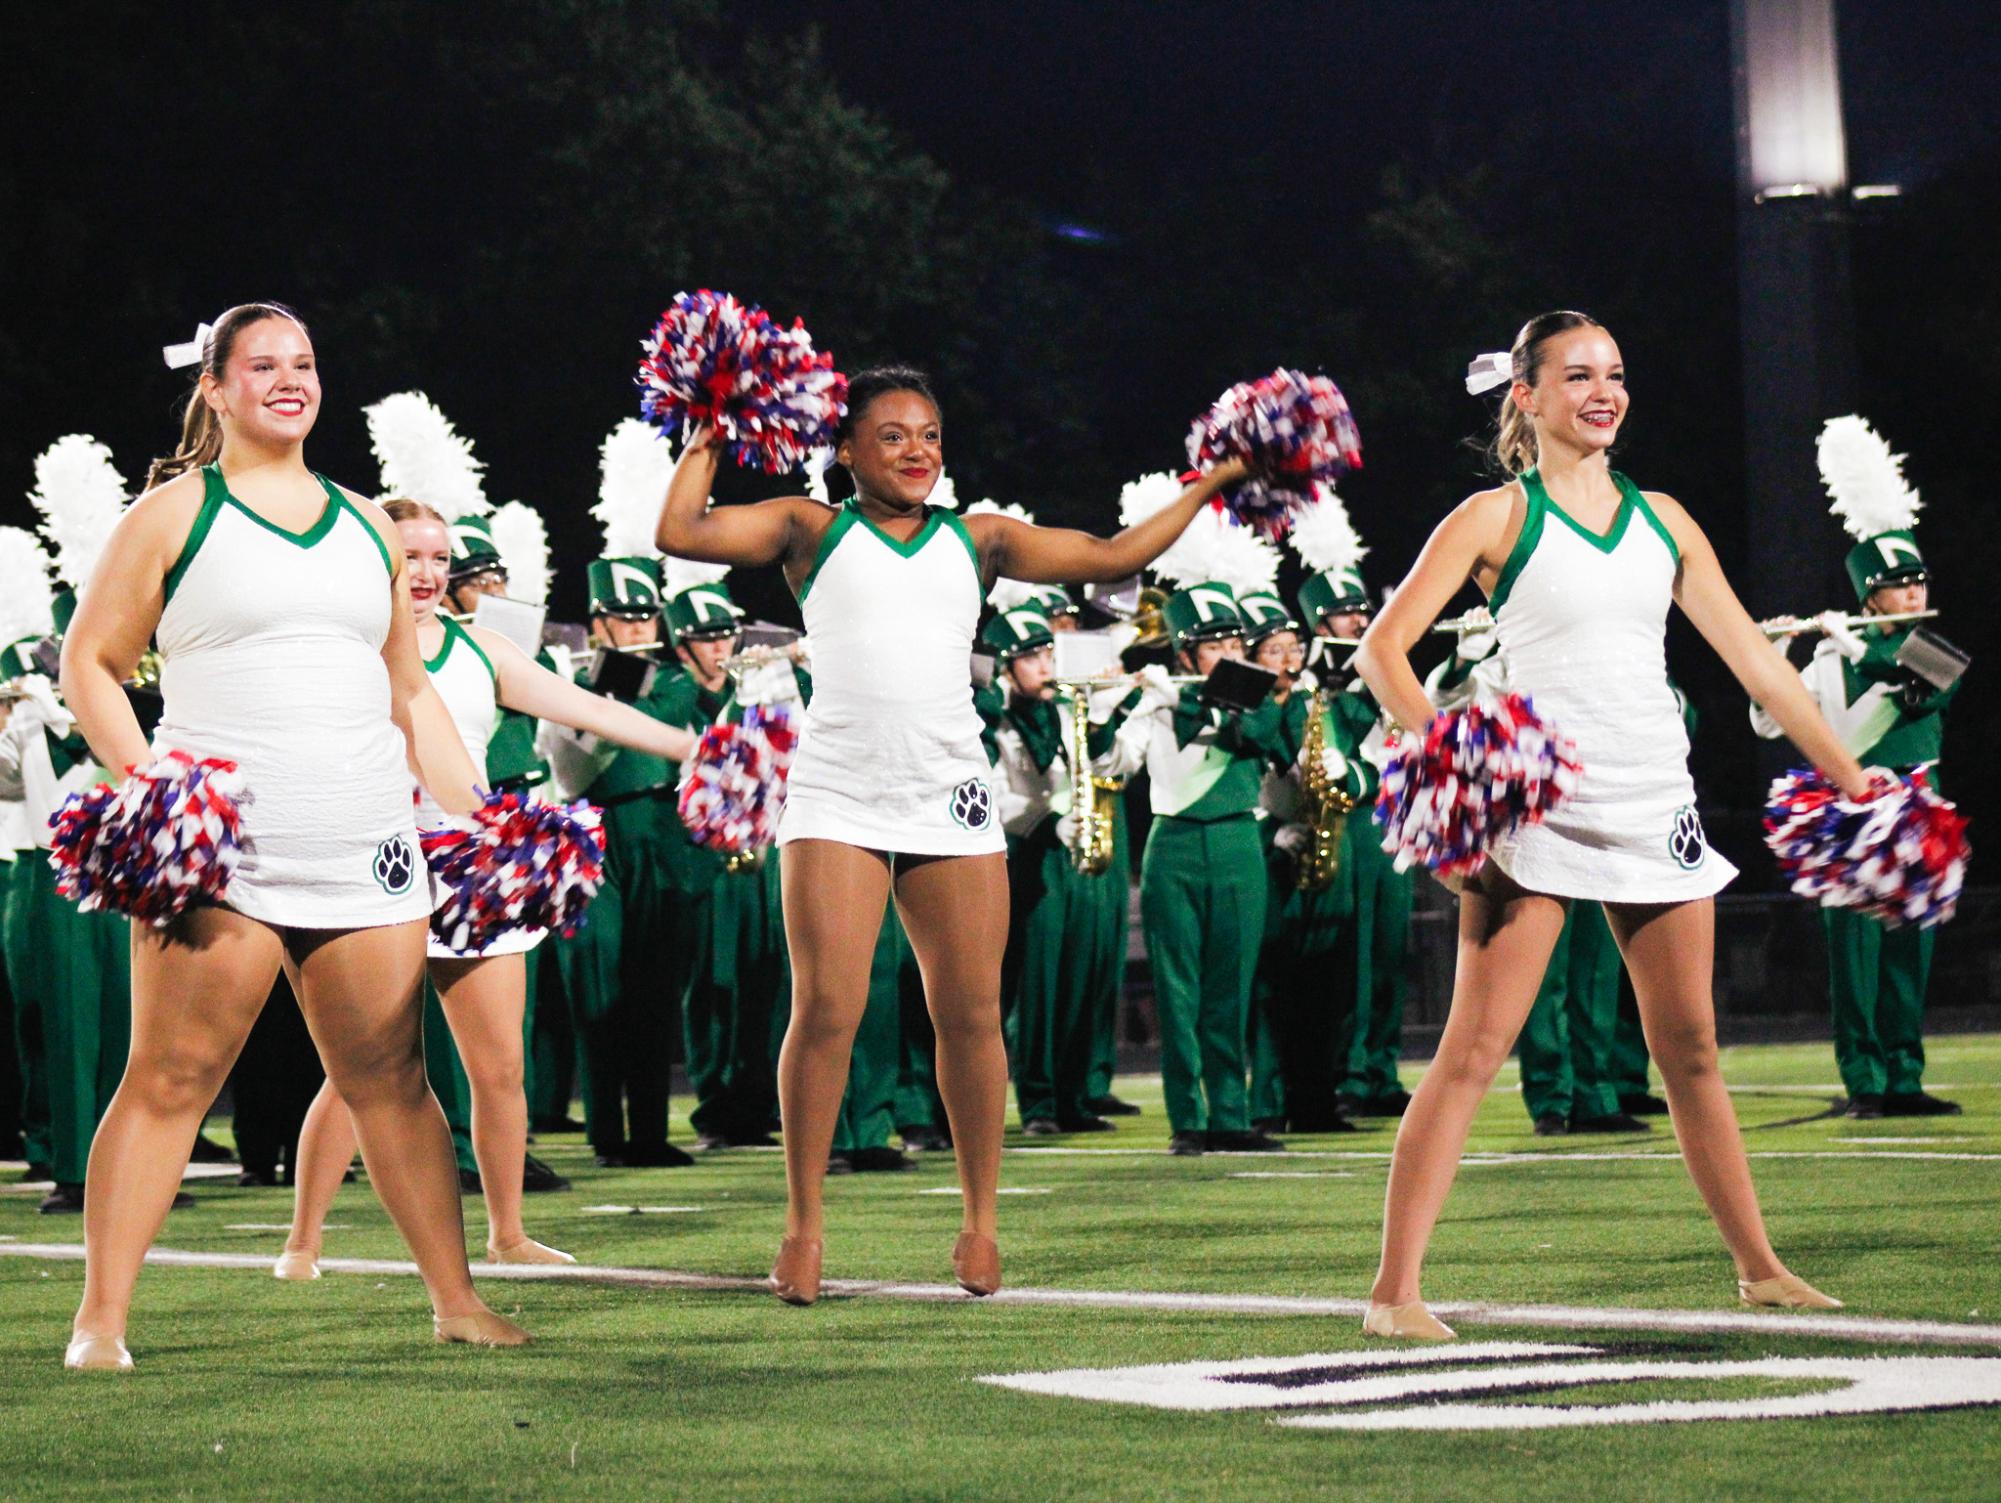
(1887, 717)
(28, 1104)
(729, 928)
(1382, 894)
(70, 971)
(1062, 972)
(1302, 1031)
(620, 968)
(1202, 882)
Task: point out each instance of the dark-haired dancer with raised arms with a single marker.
(1579, 567)
(891, 788)
(281, 609)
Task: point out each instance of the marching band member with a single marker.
(1888, 717)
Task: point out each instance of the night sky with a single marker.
(145, 148)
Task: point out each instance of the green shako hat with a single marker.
(628, 587)
(1017, 630)
(1332, 590)
(17, 658)
(1264, 613)
(1332, 551)
(62, 608)
(1056, 601)
(1202, 611)
(703, 610)
(1875, 504)
(474, 551)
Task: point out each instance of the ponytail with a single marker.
(201, 429)
(1513, 447)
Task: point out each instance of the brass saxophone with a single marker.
(1325, 805)
(1091, 798)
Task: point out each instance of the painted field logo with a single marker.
(395, 864)
(972, 804)
(1686, 842)
(1438, 1389)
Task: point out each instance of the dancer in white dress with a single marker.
(890, 787)
(1580, 567)
(483, 993)
(281, 606)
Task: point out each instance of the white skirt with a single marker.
(516, 942)
(909, 790)
(1644, 850)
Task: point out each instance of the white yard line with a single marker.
(1555, 1156)
(1565, 1317)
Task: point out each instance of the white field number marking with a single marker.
(1417, 1387)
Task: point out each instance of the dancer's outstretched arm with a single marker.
(1015, 549)
(766, 532)
(1705, 596)
(526, 686)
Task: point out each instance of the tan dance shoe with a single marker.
(527, 1250)
(1787, 1292)
(1412, 1322)
(99, 1354)
(482, 1328)
(296, 1264)
(795, 1277)
(976, 1263)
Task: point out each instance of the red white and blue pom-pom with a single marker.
(1292, 429)
(1899, 857)
(1476, 774)
(735, 787)
(521, 865)
(165, 839)
(771, 397)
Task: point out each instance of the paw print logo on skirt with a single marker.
(1686, 843)
(973, 804)
(395, 865)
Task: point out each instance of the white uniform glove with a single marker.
(1066, 828)
(1333, 763)
(1846, 639)
(1292, 839)
(39, 700)
(1480, 642)
(1156, 690)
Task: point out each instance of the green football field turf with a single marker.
(248, 1388)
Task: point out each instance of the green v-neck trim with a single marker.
(336, 503)
(1604, 542)
(910, 549)
(454, 634)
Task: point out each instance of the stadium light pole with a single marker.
(1797, 312)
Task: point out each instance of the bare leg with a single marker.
(326, 1149)
(1505, 939)
(955, 909)
(196, 989)
(834, 900)
(1670, 952)
(359, 990)
(483, 1001)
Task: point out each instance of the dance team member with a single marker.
(482, 992)
(280, 606)
(891, 789)
(1579, 568)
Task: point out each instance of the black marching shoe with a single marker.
(839, 1162)
(1244, 1142)
(1270, 1126)
(258, 1178)
(925, 1139)
(1353, 1106)
(1040, 1127)
(752, 1139)
(537, 1178)
(1863, 1106)
(64, 1200)
(1552, 1125)
(1088, 1123)
(1330, 1122)
(1188, 1145)
(557, 1124)
(469, 1183)
(1917, 1104)
(1617, 1122)
(881, 1160)
(656, 1156)
(1643, 1105)
(1390, 1104)
(208, 1151)
(1111, 1106)
(37, 1173)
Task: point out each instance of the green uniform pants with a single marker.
(1307, 990)
(869, 1106)
(1566, 1046)
(77, 968)
(1061, 968)
(1629, 1046)
(617, 972)
(918, 1103)
(552, 1048)
(1113, 891)
(1876, 981)
(448, 1079)
(1202, 906)
(1382, 927)
(17, 928)
(738, 971)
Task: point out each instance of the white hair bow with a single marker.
(178, 355)
(1489, 371)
